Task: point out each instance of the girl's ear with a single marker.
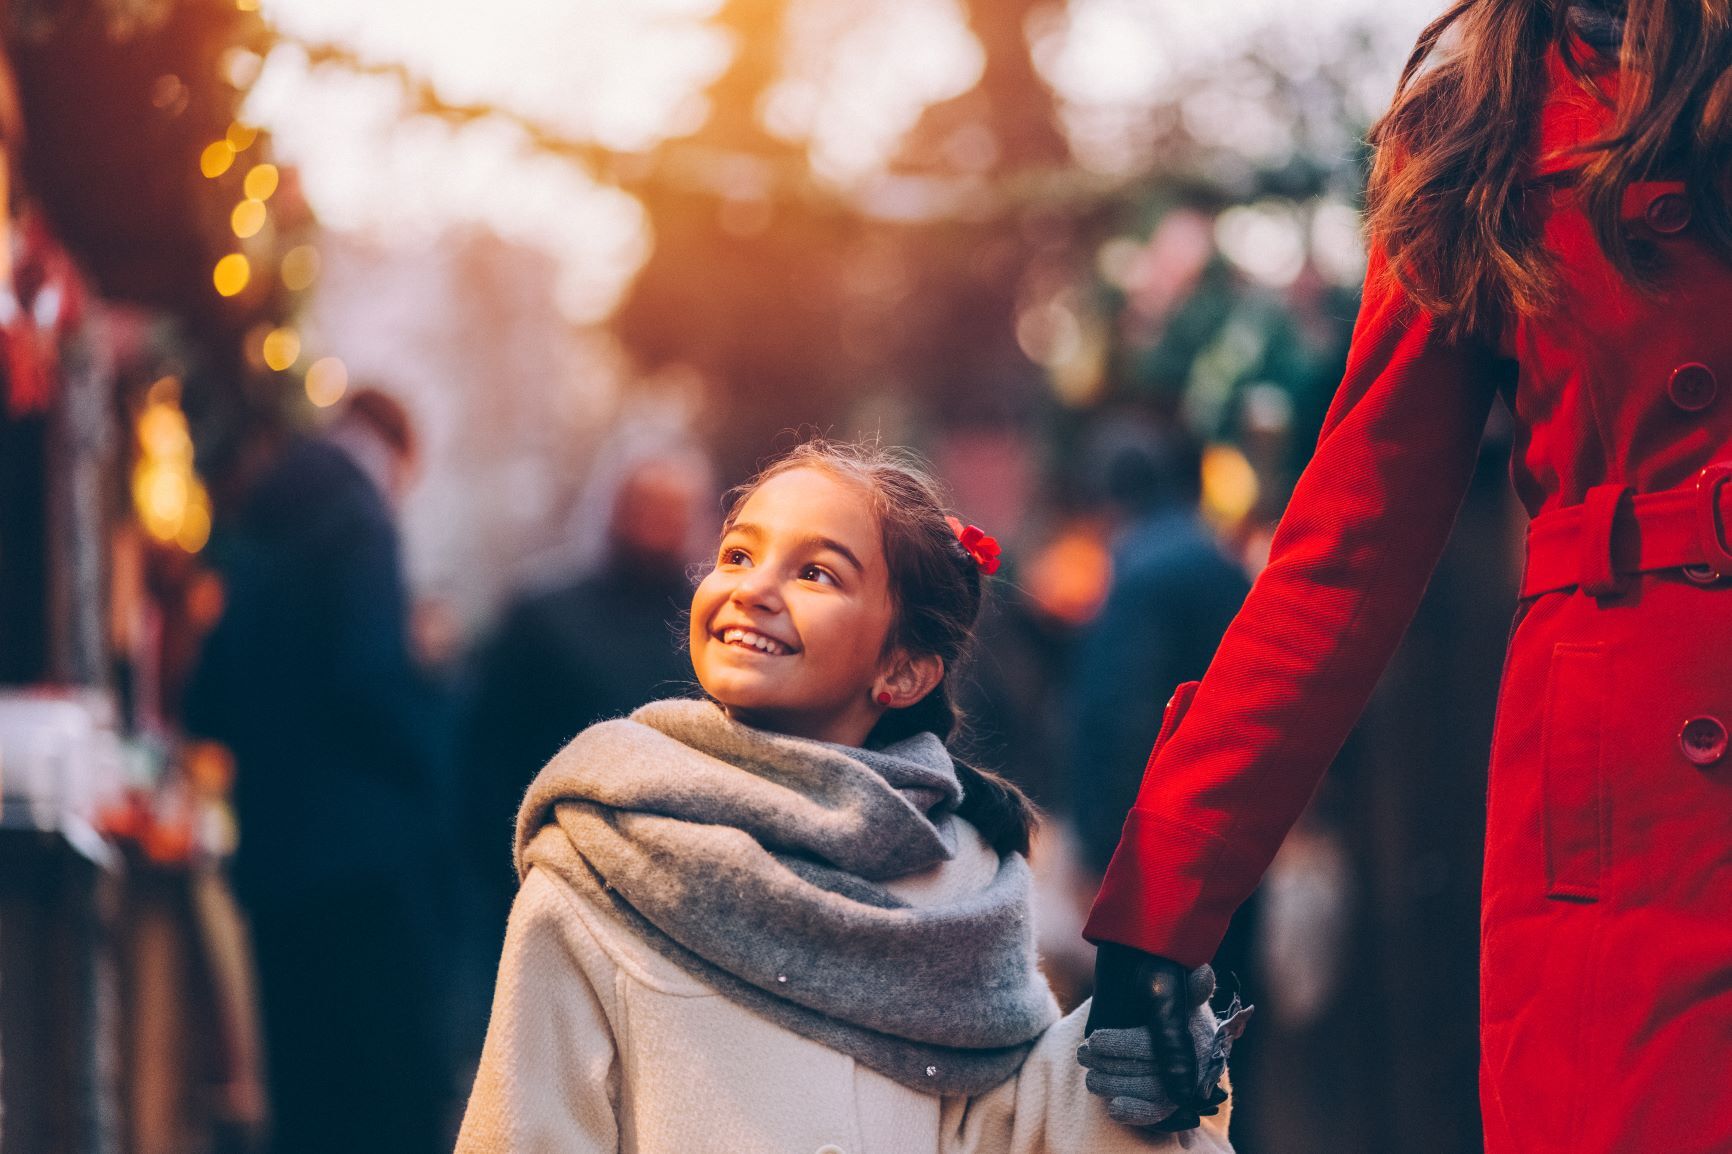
(908, 679)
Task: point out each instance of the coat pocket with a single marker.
(1574, 804)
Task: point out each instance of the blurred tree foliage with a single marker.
(1208, 271)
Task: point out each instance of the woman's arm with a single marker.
(548, 1082)
(1349, 563)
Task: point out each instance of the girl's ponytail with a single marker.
(994, 805)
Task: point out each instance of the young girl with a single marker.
(784, 919)
(1549, 220)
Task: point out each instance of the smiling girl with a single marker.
(784, 918)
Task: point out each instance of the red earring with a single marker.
(883, 698)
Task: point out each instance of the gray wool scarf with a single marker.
(755, 860)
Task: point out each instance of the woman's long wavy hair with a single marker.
(1454, 153)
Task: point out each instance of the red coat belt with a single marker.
(1614, 535)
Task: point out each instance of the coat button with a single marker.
(1693, 387)
(1668, 213)
(1703, 740)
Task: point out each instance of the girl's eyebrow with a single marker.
(748, 529)
(836, 547)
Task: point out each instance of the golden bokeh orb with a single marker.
(232, 274)
(327, 381)
(262, 181)
(217, 158)
(241, 136)
(163, 435)
(194, 532)
(1230, 486)
(248, 217)
(282, 348)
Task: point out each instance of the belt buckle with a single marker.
(1717, 556)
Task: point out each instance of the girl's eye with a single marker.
(735, 557)
(819, 574)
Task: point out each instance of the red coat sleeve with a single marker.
(1350, 560)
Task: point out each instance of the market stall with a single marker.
(147, 230)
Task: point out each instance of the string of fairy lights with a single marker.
(170, 499)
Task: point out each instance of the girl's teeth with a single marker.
(755, 640)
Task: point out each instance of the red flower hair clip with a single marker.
(974, 541)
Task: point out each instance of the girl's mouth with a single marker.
(751, 639)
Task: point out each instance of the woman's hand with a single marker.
(1135, 991)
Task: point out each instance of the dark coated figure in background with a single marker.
(593, 648)
(339, 744)
(1174, 590)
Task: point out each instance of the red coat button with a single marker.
(1693, 387)
(1669, 213)
(1703, 740)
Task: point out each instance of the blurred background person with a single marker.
(594, 646)
(570, 651)
(340, 744)
(1174, 589)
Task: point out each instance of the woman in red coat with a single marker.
(1549, 220)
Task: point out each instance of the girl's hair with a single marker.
(936, 591)
(1456, 148)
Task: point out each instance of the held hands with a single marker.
(1154, 1049)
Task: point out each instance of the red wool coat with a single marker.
(1606, 991)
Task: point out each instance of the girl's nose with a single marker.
(759, 589)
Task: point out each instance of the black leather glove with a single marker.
(1138, 990)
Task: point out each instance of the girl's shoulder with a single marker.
(591, 935)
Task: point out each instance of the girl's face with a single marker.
(789, 630)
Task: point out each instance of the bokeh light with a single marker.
(253, 344)
(194, 532)
(160, 493)
(282, 348)
(300, 267)
(327, 381)
(1230, 488)
(170, 499)
(170, 94)
(241, 136)
(162, 433)
(217, 158)
(232, 274)
(240, 67)
(248, 217)
(262, 181)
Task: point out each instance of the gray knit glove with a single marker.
(1121, 1065)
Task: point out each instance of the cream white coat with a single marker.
(599, 1044)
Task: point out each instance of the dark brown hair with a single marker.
(1454, 153)
(936, 590)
